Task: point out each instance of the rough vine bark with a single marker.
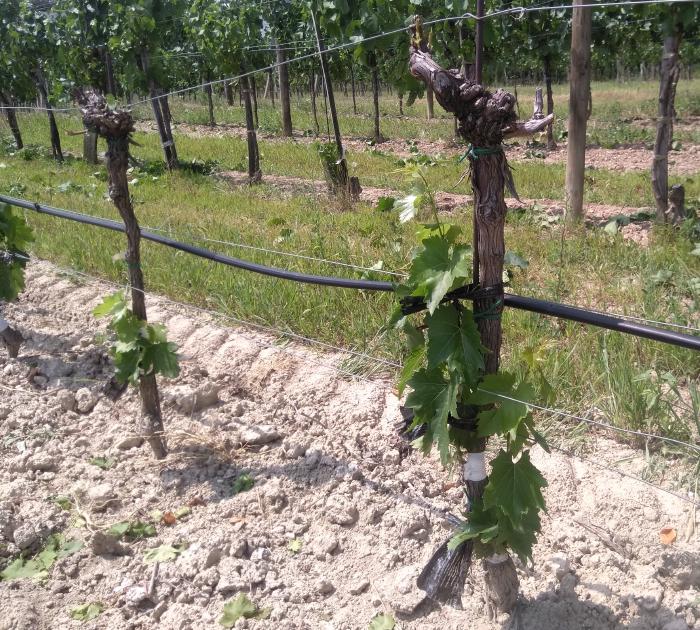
(670, 72)
(11, 116)
(484, 119)
(116, 127)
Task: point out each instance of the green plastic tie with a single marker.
(493, 312)
(476, 152)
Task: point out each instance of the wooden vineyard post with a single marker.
(162, 116)
(349, 186)
(670, 72)
(90, 147)
(579, 109)
(254, 173)
(285, 99)
(116, 127)
(485, 120)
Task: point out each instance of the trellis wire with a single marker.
(467, 15)
(269, 329)
(277, 252)
(596, 423)
(625, 474)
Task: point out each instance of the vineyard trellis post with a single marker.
(254, 173)
(670, 73)
(287, 129)
(116, 127)
(485, 119)
(579, 108)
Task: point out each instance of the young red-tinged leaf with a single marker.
(514, 487)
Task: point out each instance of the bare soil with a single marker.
(329, 471)
(636, 158)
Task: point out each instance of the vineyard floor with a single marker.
(597, 214)
(340, 516)
(685, 161)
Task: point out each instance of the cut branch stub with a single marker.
(99, 117)
(485, 118)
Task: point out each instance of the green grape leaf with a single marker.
(520, 536)
(11, 280)
(433, 398)
(164, 553)
(110, 305)
(161, 358)
(506, 414)
(241, 607)
(126, 366)
(105, 463)
(514, 487)
(87, 612)
(243, 483)
(385, 204)
(382, 621)
(21, 569)
(453, 338)
(410, 366)
(436, 268)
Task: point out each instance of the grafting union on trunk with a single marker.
(484, 119)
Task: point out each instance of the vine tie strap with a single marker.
(474, 153)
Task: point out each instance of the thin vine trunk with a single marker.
(228, 90)
(161, 113)
(116, 128)
(56, 150)
(314, 109)
(11, 116)
(253, 91)
(352, 85)
(430, 106)
(547, 66)
(375, 100)
(254, 173)
(210, 104)
(670, 71)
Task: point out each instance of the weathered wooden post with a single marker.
(485, 119)
(670, 72)
(116, 127)
(579, 109)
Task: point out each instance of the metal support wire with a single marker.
(624, 474)
(518, 11)
(596, 423)
(542, 307)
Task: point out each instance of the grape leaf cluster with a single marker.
(15, 236)
(140, 348)
(444, 373)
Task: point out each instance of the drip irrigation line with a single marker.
(266, 328)
(624, 474)
(596, 423)
(243, 322)
(542, 307)
(642, 319)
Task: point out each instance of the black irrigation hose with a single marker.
(533, 305)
